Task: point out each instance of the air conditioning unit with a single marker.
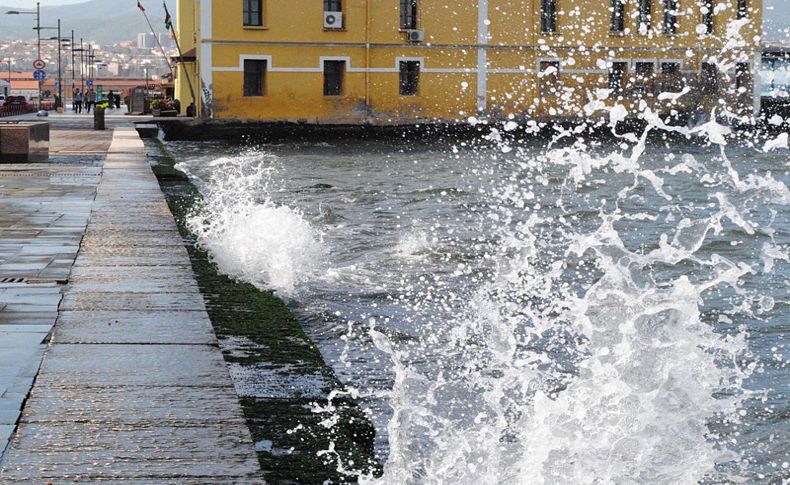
(415, 35)
(333, 20)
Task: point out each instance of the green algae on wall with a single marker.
(260, 335)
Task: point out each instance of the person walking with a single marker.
(118, 100)
(111, 100)
(90, 99)
(77, 101)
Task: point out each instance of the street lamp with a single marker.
(37, 28)
(60, 40)
(82, 51)
(73, 74)
(9, 72)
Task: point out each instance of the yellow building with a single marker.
(407, 61)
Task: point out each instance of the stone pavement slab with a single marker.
(134, 326)
(133, 387)
(44, 210)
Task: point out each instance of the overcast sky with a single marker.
(32, 3)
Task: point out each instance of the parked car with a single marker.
(16, 103)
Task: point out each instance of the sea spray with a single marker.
(574, 312)
(247, 235)
(603, 374)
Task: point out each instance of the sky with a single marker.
(32, 3)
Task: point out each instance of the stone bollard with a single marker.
(24, 141)
(98, 118)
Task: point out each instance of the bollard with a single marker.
(98, 118)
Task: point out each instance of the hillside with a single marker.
(103, 21)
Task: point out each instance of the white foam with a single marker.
(247, 234)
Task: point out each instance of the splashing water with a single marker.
(246, 233)
(576, 361)
(576, 313)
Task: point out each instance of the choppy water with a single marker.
(527, 310)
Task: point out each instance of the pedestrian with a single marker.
(118, 101)
(110, 99)
(77, 101)
(90, 100)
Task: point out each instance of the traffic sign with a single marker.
(89, 82)
(39, 75)
(38, 64)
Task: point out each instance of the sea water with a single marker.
(522, 308)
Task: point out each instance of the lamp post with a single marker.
(60, 40)
(81, 50)
(91, 57)
(60, 71)
(73, 67)
(37, 28)
(9, 73)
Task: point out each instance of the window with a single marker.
(618, 15)
(409, 78)
(670, 16)
(743, 77)
(333, 5)
(548, 15)
(253, 13)
(254, 77)
(707, 15)
(617, 77)
(710, 78)
(643, 72)
(333, 77)
(408, 14)
(645, 15)
(743, 8)
(671, 80)
(549, 78)
(670, 68)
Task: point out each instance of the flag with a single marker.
(140, 6)
(168, 19)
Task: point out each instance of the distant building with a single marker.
(166, 41)
(114, 68)
(408, 61)
(21, 84)
(146, 41)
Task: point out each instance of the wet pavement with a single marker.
(132, 386)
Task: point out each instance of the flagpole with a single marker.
(139, 5)
(180, 54)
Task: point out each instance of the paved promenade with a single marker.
(132, 387)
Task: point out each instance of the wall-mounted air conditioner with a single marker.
(415, 35)
(333, 20)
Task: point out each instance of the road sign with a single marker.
(89, 82)
(38, 64)
(39, 75)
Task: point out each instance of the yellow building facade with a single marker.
(408, 61)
